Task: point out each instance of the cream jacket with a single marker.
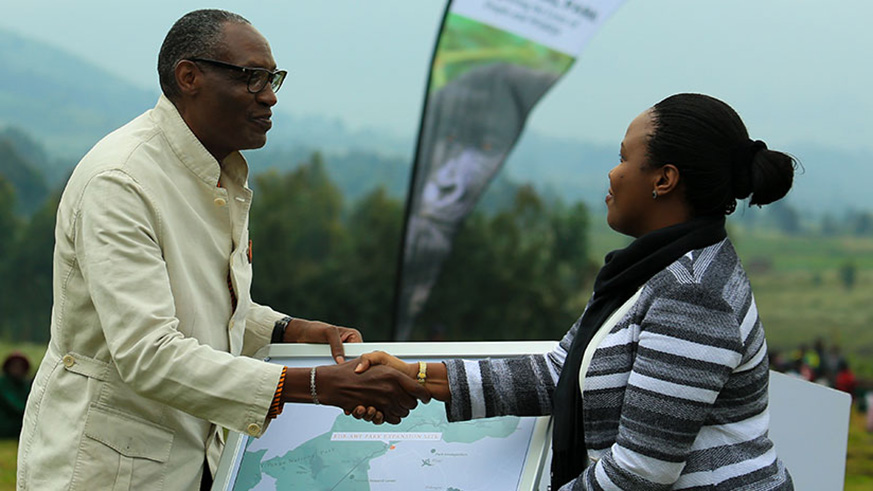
(144, 358)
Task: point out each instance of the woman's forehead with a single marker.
(639, 129)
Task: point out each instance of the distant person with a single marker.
(797, 369)
(803, 361)
(14, 387)
(777, 361)
(152, 306)
(663, 381)
(821, 368)
(845, 379)
(831, 362)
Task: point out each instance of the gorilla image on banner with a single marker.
(493, 62)
(475, 121)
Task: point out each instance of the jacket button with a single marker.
(69, 361)
(253, 429)
(220, 201)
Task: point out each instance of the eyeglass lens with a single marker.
(259, 79)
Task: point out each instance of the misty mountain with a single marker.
(307, 134)
(67, 104)
(63, 101)
(828, 179)
(27, 180)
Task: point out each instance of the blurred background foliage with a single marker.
(326, 232)
(325, 246)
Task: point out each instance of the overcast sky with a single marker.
(796, 70)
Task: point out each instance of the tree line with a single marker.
(521, 272)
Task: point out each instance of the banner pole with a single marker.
(398, 279)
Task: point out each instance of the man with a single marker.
(152, 269)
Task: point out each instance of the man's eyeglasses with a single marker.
(258, 77)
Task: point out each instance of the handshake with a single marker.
(376, 387)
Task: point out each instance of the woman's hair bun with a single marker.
(771, 176)
(707, 141)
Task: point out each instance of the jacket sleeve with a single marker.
(117, 242)
(689, 344)
(259, 328)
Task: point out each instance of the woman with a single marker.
(662, 383)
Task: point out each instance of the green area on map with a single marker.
(322, 464)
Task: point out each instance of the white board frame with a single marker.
(319, 354)
(808, 422)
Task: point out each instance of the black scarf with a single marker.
(623, 273)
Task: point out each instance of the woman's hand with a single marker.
(374, 358)
(365, 362)
(437, 383)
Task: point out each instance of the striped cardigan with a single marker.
(676, 393)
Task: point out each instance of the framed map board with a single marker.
(316, 448)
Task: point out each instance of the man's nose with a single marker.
(267, 96)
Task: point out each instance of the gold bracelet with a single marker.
(422, 372)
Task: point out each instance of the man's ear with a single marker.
(667, 179)
(188, 77)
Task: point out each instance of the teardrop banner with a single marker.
(493, 61)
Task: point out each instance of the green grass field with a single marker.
(859, 458)
(800, 294)
(799, 289)
(8, 452)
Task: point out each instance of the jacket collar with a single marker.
(191, 152)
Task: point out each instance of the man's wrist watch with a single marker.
(279, 330)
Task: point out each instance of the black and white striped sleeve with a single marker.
(519, 386)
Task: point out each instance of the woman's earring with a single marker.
(655, 194)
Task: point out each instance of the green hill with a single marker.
(24, 175)
(67, 104)
(63, 101)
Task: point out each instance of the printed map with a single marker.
(317, 448)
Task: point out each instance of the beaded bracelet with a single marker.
(312, 386)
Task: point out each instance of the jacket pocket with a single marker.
(119, 451)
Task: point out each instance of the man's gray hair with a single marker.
(197, 34)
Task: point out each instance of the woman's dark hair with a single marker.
(707, 141)
(197, 34)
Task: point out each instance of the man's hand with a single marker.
(376, 358)
(380, 389)
(304, 331)
(366, 361)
